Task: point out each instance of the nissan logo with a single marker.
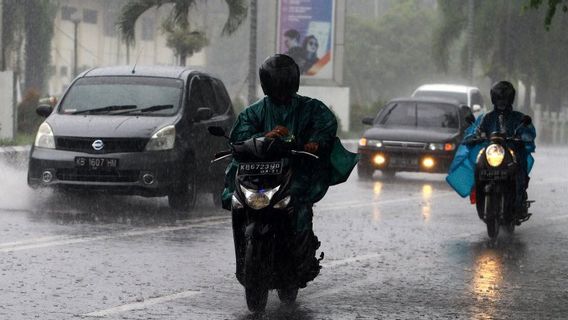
(98, 145)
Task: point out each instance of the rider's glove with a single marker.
(277, 132)
(311, 147)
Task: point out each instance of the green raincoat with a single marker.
(308, 120)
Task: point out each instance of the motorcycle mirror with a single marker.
(470, 119)
(216, 131)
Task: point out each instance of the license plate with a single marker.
(96, 163)
(260, 168)
(403, 162)
(493, 175)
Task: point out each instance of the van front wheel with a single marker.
(184, 194)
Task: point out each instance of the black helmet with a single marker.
(502, 95)
(279, 77)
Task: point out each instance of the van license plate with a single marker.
(96, 163)
(260, 168)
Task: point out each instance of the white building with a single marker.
(98, 40)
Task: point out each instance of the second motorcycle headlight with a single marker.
(495, 155)
(258, 199)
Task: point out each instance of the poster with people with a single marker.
(305, 32)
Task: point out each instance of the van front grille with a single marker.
(110, 145)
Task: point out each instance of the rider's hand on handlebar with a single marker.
(311, 147)
(277, 132)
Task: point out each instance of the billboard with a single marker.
(305, 32)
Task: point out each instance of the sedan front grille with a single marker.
(97, 176)
(405, 145)
(110, 145)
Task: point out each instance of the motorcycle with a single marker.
(495, 191)
(262, 216)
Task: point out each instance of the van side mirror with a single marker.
(203, 114)
(368, 121)
(476, 108)
(44, 110)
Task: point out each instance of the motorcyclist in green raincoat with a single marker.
(282, 113)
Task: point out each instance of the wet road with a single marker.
(407, 248)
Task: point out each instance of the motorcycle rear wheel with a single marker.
(288, 295)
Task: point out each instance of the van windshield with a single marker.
(123, 96)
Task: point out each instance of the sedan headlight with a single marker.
(44, 137)
(442, 146)
(163, 139)
(495, 155)
(370, 143)
(259, 199)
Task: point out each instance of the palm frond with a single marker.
(238, 11)
(130, 13)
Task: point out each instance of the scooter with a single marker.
(495, 193)
(262, 216)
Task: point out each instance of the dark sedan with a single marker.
(412, 134)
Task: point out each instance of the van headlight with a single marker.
(495, 155)
(259, 199)
(44, 137)
(163, 139)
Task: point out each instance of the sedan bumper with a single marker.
(137, 173)
(406, 160)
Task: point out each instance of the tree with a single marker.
(388, 56)
(550, 10)
(508, 46)
(181, 38)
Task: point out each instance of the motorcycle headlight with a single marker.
(258, 199)
(44, 137)
(495, 155)
(163, 139)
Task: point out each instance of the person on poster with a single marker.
(310, 46)
(294, 50)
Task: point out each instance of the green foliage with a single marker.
(39, 16)
(507, 45)
(177, 25)
(550, 10)
(388, 57)
(28, 120)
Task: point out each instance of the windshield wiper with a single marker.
(148, 109)
(106, 109)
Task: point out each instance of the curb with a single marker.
(14, 149)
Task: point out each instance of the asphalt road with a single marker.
(407, 248)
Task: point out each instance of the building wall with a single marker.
(99, 42)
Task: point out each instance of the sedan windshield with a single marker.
(123, 95)
(428, 115)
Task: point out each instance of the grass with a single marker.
(22, 139)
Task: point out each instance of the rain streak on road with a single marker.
(402, 248)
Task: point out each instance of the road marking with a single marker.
(66, 240)
(335, 263)
(556, 218)
(349, 204)
(142, 305)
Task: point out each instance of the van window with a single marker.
(208, 93)
(223, 101)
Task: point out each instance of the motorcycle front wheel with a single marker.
(256, 277)
(491, 220)
(288, 295)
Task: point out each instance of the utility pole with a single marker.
(252, 52)
(2, 65)
(470, 26)
(76, 20)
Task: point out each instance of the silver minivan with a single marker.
(470, 96)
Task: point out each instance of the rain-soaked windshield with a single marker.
(123, 95)
(426, 115)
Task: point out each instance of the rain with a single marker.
(127, 193)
